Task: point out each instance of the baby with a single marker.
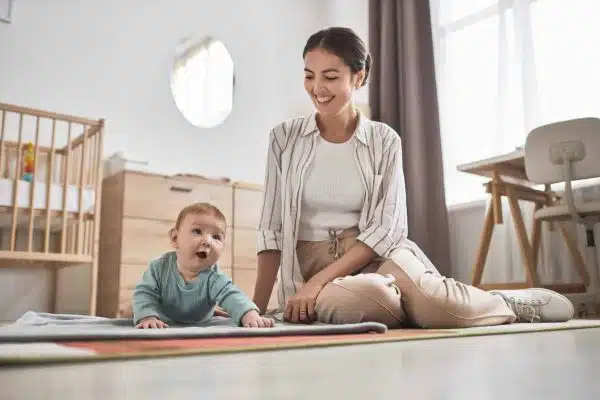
(185, 286)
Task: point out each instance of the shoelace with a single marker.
(527, 311)
(334, 244)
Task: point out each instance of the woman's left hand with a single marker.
(301, 306)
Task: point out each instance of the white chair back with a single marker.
(547, 146)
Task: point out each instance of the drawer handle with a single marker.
(180, 189)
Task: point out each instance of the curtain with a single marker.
(403, 94)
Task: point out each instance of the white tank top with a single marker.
(333, 192)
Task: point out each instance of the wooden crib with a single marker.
(50, 205)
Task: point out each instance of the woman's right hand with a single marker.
(301, 306)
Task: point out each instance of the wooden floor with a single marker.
(546, 365)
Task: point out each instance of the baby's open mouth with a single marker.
(202, 254)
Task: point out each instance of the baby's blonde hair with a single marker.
(199, 209)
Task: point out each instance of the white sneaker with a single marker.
(538, 305)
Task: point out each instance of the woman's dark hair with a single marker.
(345, 44)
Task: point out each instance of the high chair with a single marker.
(569, 151)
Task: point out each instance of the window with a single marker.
(566, 39)
(505, 67)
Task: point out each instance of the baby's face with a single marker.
(199, 241)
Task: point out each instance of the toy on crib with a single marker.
(29, 163)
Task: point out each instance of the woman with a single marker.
(333, 223)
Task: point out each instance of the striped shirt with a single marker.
(382, 224)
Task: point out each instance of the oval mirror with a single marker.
(202, 82)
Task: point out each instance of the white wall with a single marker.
(355, 15)
(111, 59)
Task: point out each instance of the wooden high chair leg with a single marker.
(536, 236)
(484, 246)
(526, 250)
(578, 260)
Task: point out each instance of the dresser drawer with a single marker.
(146, 239)
(247, 206)
(161, 197)
(143, 240)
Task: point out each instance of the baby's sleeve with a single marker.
(230, 297)
(146, 296)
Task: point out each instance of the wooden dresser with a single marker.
(247, 203)
(138, 209)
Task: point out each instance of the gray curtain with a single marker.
(403, 94)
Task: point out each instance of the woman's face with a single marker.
(328, 81)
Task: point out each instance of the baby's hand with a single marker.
(219, 312)
(253, 320)
(151, 322)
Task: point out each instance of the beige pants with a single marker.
(397, 291)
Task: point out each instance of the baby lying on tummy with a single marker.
(185, 286)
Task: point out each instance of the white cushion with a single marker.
(561, 211)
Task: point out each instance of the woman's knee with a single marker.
(361, 298)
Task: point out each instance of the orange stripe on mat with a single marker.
(155, 347)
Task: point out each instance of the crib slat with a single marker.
(82, 175)
(65, 183)
(15, 193)
(87, 236)
(49, 182)
(88, 179)
(89, 168)
(73, 242)
(73, 178)
(86, 182)
(95, 183)
(36, 154)
(2, 148)
(96, 232)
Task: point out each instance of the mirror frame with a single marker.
(184, 51)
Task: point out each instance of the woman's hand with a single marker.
(301, 306)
